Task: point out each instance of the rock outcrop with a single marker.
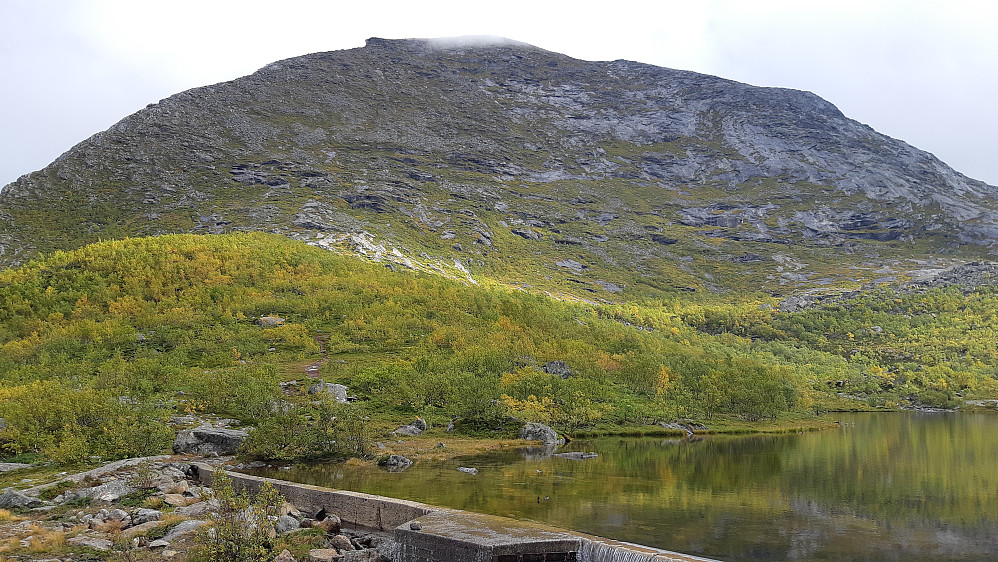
(533, 431)
(209, 440)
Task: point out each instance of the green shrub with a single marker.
(316, 430)
(243, 528)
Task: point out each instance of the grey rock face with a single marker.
(207, 440)
(474, 125)
(539, 432)
(108, 492)
(558, 368)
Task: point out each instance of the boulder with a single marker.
(176, 500)
(559, 368)
(12, 499)
(286, 524)
(269, 321)
(396, 463)
(467, 470)
(539, 432)
(208, 440)
(198, 509)
(337, 391)
(408, 430)
(285, 556)
(141, 528)
(108, 492)
(341, 543)
(323, 555)
(183, 528)
(95, 543)
(8, 466)
(330, 524)
(119, 514)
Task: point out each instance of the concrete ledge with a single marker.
(426, 533)
(353, 508)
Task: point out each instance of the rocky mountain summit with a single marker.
(497, 158)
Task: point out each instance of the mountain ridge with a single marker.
(457, 157)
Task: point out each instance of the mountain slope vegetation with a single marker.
(99, 346)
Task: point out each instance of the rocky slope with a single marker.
(503, 160)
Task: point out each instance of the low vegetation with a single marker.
(100, 346)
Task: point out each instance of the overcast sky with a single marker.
(925, 72)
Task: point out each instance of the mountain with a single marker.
(495, 159)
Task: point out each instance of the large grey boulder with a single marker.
(183, 528)
(8, 466)
(12, 499)
(145, 515)
(198, 509)
(208, 440)
(417, 427)
(337, 391)
(396, 463)
(539, 432)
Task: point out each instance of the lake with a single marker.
(882, 486)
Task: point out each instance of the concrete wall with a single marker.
(353, 508)
(426, 533)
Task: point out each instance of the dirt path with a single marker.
(312, 369)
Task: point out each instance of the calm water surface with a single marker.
(881, 487)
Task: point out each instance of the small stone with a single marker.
(467, 470)
(176, 500)
(367, 555)
(142, 528)
(90, 542)
(159, 543)
(341, 543)
(415, 526)
(323, 555)
(286, 524)
(330, 525)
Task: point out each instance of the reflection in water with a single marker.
(883, 487)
